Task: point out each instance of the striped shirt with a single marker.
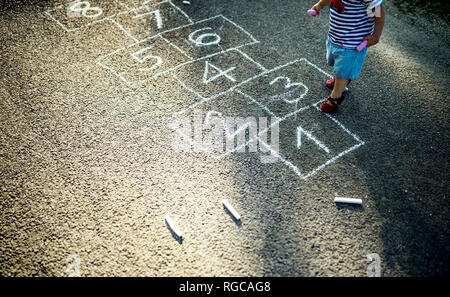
(347, 29)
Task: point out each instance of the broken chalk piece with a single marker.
(347, 200)
(231, 209)
(172, 226)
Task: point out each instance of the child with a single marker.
(351, 22)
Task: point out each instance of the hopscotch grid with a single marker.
(251, 60)
(234, 88)
(279, 120)
(111, 18)
(248, 79)
(147, 8)
(257, 103)
(243, 30)
(58, 22)
(79, 28)
(206, 99)
(254, 41)
(117, 74)
(258, 135)
(189, 89)
(122, 4)
(191, 62)
(182, 12)
(320, 70)
(99, 61)
(328, 162)
(316, 106)
(283, 160)
(123, 29)
(176, 47)
(185, 63)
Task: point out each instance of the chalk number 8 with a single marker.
(84, 7)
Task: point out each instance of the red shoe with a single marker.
(335, 102)
(330, 83)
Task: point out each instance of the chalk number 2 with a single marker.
(291, 84)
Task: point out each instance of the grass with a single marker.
(431, 9)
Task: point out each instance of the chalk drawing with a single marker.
(199, 40)
(207, 80)
(153, 12)
(229, 134)
(301, 131)
(123, 30)
(85, 12)
(159, 21)
(196, 39)
(307, 175)
(158, 63)
(84, 7)
(206, 36)
(290, 84)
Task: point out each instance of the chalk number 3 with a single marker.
(86, 10)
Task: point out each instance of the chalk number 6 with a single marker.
(201, 40)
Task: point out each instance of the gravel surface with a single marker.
(88, 166)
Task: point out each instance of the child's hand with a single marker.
(317, 7)
(371, 40)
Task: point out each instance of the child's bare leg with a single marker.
(339, 87)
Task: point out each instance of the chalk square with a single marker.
(287, 88)
(142, 61)
(217, 75)
(232, 113)
(310, 140)
(151, 19)
(73, 16)
(209, 37)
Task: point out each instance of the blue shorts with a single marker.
(347, 62)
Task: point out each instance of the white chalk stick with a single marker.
(348, 200)
(172, 226)
(231, 209)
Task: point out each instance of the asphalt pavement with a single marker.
(100, 109)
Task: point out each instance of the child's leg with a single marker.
(338, 89)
